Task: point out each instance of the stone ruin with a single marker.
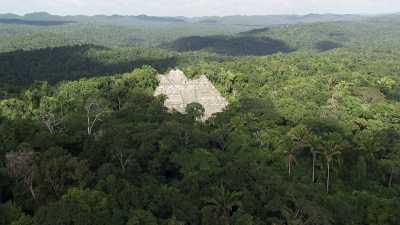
(180, 91)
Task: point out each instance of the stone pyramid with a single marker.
(181, 91)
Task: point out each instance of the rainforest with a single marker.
(311, 134)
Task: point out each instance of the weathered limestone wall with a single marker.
(181, 91)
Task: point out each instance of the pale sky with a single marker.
(194, 8)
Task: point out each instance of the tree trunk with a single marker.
(29, 183)
(32, 192)
(313, 166)
(49, 127)
(119, 104)
(123, 162)
(390, 178)
(89, 132)
(328, 177)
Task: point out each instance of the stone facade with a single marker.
(181, 91)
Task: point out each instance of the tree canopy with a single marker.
(310, 136)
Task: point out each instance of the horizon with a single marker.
(176, 16)
(201, 8)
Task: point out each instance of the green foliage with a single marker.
(323, 36)
(74, 62)
(195, 110)
(77, 206)
(109, 32)
(308, 138)
(232, 46)
(142, 217)
(9, 213)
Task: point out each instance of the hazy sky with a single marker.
(199, 7)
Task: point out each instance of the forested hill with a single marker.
(227, 20)
(74, 62)
(73, 51)
(377, 32)
(311, 135)
(372, 33)
(34, 22)
(271, 20)
(220, 35)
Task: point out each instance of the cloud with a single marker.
(199, 7)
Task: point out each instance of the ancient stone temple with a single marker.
(181, 91)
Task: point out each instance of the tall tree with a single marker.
(331, 147)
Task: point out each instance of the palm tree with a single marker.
(330, 148)
(291, 154)
(329, 155)
(302, 138)
(223, 202)
(289, 148)
(313, 145)
(314, 153)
